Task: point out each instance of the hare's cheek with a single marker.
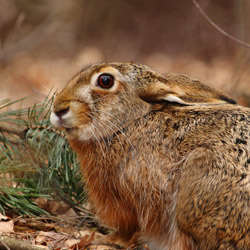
(80, 114)
(84, 134)
(83, 94)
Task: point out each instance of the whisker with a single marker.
(120, 130)
(107, 126)
(105, 145)
(101, 98)
(112, 116)
(92, 130)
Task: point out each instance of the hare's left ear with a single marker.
(184, 90)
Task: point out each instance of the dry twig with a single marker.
(12, 130)
(247, 45)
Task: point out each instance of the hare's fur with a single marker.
(166, 158)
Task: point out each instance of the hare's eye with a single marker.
(105, 81)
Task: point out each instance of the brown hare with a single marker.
(165, 158)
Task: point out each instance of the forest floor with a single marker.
(61, 231)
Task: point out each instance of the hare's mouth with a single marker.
(81, 134)
(70, 130)
(74, 130)
(61, 121)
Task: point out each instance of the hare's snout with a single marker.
(73, 118)
(61, 115)
(59, 119)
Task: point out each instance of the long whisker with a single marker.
(92, 130)
(120, 130)
(116, 126)
(107, 126)
(112, 116)
(101, 98)
(111, 127)
(105, 145)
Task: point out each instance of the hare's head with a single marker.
(102, 99)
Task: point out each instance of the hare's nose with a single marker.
(61, 112)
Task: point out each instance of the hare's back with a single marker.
(223, 130)
(211, 126)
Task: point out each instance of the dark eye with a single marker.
(105, 81)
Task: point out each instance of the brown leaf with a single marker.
(52, 239)
(71, 242)
(54, 207)
(6, 224)
(85, 241)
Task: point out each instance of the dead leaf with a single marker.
(70, 213)
(54, 207)
(103, 247)
(85, 241)
(50, 236)
(6, 224)
(71, 242)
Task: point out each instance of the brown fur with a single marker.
(168, 158)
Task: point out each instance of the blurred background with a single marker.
(43, 43)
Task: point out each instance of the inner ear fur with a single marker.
(182, 89)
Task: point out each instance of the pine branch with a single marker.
(35, 160)
(12, 130)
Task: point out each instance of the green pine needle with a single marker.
(35, 161)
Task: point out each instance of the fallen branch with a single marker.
(13, 244)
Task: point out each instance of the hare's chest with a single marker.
(116, 212)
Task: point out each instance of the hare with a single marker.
(165, 158)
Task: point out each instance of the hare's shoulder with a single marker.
(226, 127)
(227, 114)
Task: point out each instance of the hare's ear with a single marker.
(184, 90)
